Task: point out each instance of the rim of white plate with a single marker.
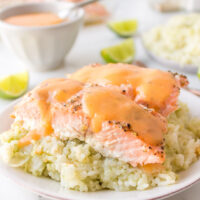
(40, 191)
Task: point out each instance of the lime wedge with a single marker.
(198, 73)
(14, 86)
(124, 28)
(121, 53)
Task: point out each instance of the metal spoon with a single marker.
(193, 91)
(64, 13)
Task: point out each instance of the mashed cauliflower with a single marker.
(178, 40)
(79, 167)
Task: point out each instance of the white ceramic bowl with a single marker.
(44, 47)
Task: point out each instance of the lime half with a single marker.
(121, 53)
(14, 86)
(124, 28)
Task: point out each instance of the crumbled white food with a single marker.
(177, 40)
(79, 167)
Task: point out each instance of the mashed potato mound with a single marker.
(79, 167)
(177, 40)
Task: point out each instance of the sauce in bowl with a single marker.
(34, 19)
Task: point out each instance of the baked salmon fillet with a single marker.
(119, 112)
(103, 117)
(152, 88)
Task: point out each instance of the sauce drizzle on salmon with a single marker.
(119, 110)
(105, 104)
(150, 87)
(46, 94)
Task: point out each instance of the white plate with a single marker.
(171, 64)
(50, 188)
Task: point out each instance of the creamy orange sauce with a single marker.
(34, 19)
(26, 140)
(105, 104)
(151, 85)
(47, 94)
(100, 104)
(152, 168)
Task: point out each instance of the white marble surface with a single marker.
(86, 50)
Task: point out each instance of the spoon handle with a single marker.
(64, 13)
(193, 91)
(83, 3)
